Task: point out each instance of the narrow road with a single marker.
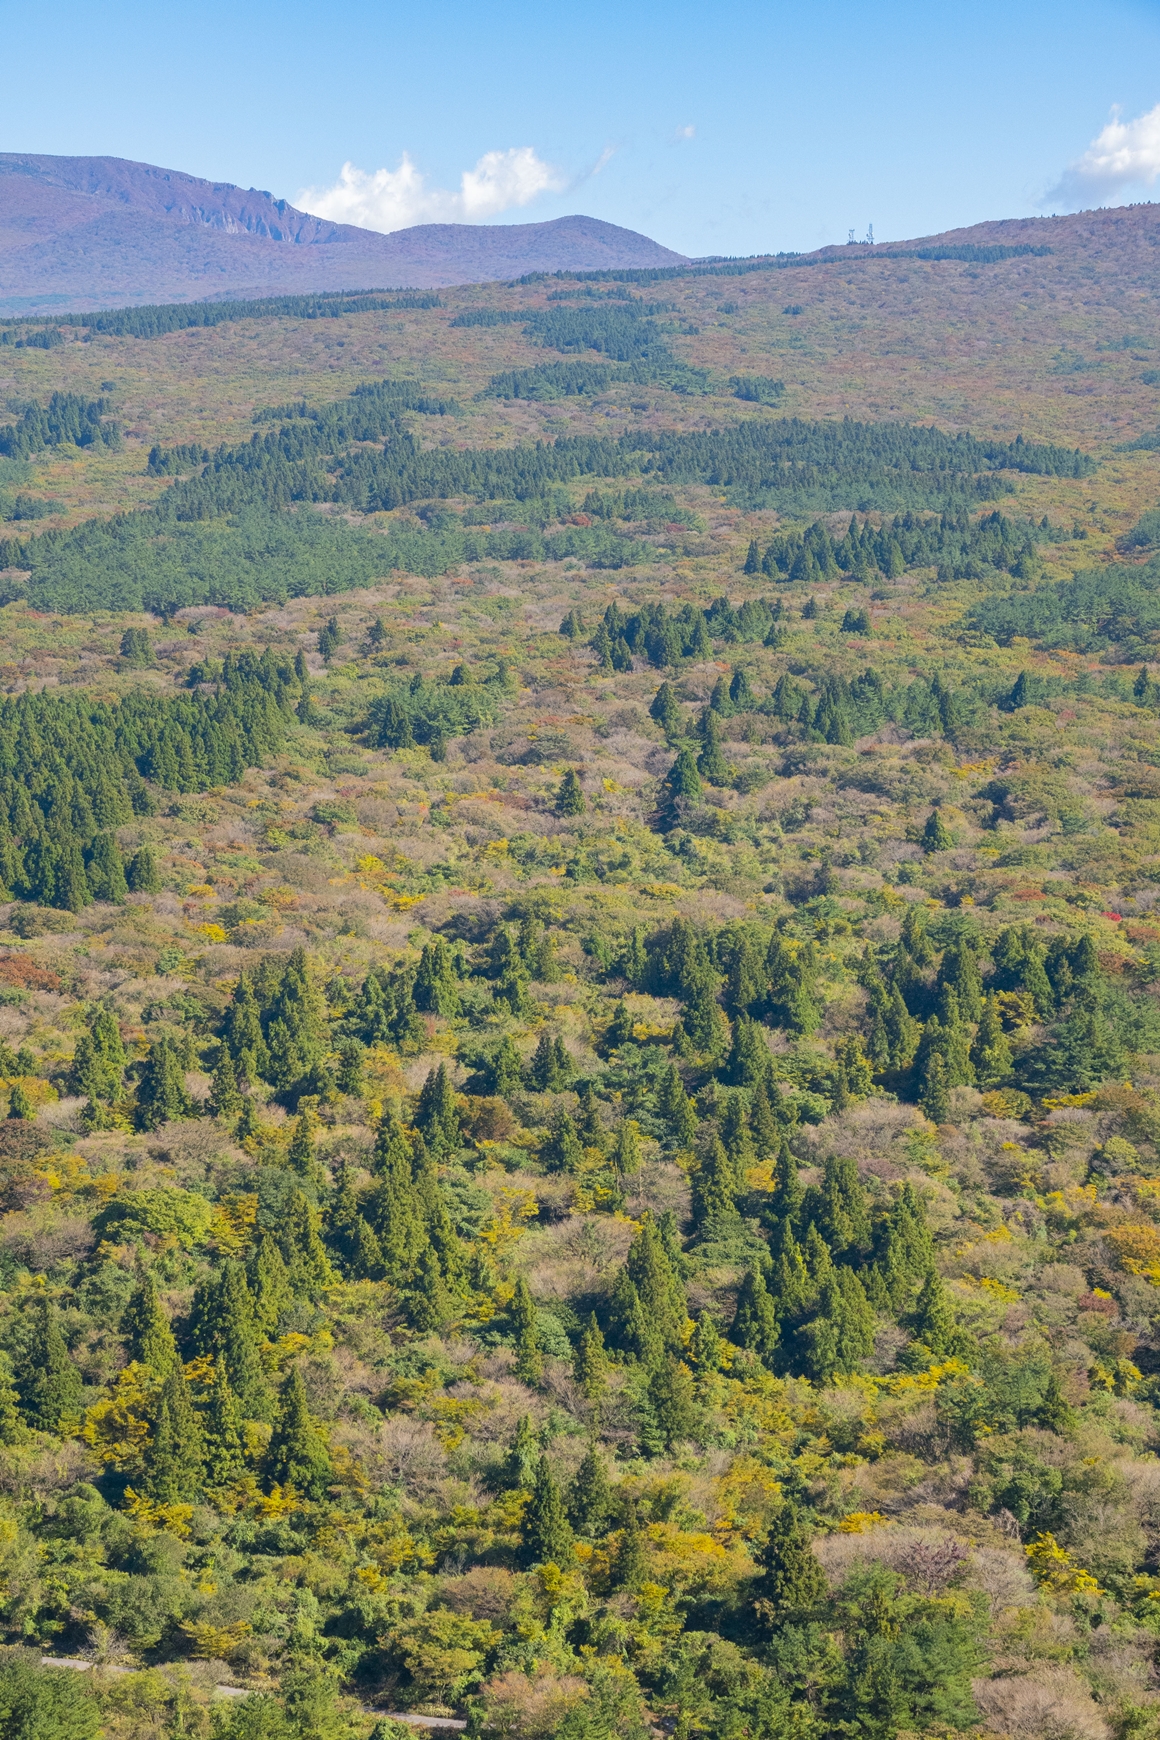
(79, 1665)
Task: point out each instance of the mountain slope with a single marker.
(95, 232)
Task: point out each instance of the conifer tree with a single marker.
(161, 1093)
(630, 1567)
(106, 870)
(295, 1029)
(297, 1454)
(99, 1059)
(749, 1064)
(222, 1320)
(755, 1323)
(792, 1582)
(545, 1535)
(706, 1351)
(436, 1114)
(308, 1267)
(991, 1049)
(300, 1154)
(506, 1067)
(680, 790)
(529, 1353)
(249, 1126)
(935, 1098)
(666, 710)
(225, 1096)
(675, 1108)
(590, 1361)
(626, 1151)
(658, 1287)
(436, 982)
(243, 1031)
(714, 1191)
(932, 1322)
(672, 1402)
(20, 1105)
(141, 873)
(146, 1329)
(175, 1460)
(49, 1383)
(429, 1302)
(588, 1126)
(523, 1459)
(841, 1336)
(562, 1152)
(268, 1284)
(570, 799)
(590, 1496)
(224, 1450)
(763, 1125)
(936, 836)
(711, 763)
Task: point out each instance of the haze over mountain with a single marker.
(99, 232)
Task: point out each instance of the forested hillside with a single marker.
(580, 1012)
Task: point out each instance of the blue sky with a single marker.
(733, 128)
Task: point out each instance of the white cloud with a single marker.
(393, 199)
(685, 133)
(1125, 154)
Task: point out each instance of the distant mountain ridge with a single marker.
(99, 232)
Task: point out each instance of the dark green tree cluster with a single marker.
(73, 770)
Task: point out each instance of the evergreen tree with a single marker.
(711, 763)
(296, 1037)
(630, 1567)
(224, 1451)
(225, 1096)
(675, 1107)
(106, 870)
(570, 799)
(49, 1383)
(590, 1497)
(545, 1536)
(297, 1454)
(752, 559)
(932, 1322)
(523, 1459)
(161, 1093)
(529, 1353)
(300, 1154)
(148, 1337)
(175, 1460)
(714, 1192)
(749, 1064)
(348, 1077)
(222, 1320)
(841, 1336)
(792, 1582)
(935, 1098)
(590, 1362)
(680, 790)
(243, 1031)
(936, 836)
(660, 1292)
(436, 1114)
(626, 1151)
(672, 1402)
(755, 1320)
(991, 1049)
(436, 982)
(269, 1284)
(562, 1151)
(20, 1105)
(666, 710)
(840, 1207)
